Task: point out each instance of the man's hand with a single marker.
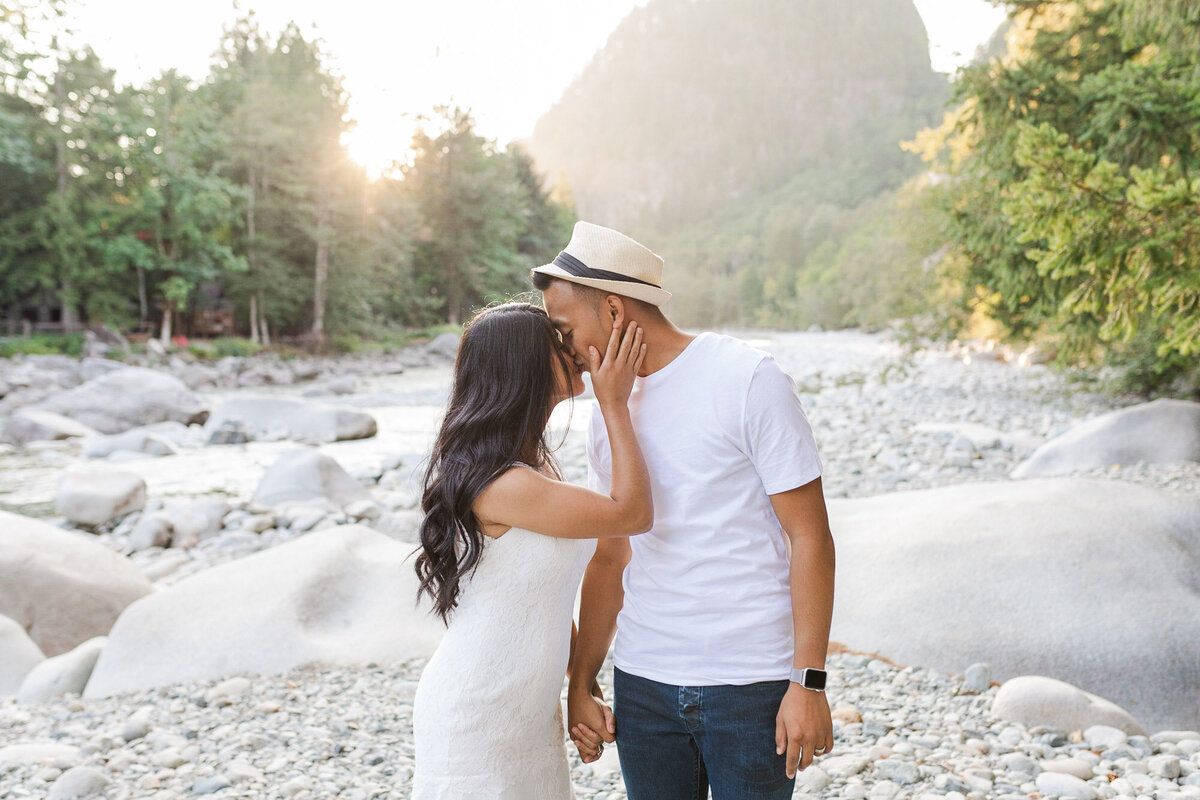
(803, 727)
(590, 722)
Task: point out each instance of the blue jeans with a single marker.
(676, 741)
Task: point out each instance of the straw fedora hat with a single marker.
(605, 259)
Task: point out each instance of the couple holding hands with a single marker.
(702, 542)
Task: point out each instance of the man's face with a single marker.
(580, 323)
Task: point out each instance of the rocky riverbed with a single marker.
(346, 733)
(887, 421)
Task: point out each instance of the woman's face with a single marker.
(567, 375)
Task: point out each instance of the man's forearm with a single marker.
(601, 600)
(812, 571)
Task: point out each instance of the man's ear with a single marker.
(615, 308)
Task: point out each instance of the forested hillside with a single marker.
(741, 139)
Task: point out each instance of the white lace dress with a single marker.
(487, 716)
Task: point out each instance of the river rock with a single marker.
(64, 674)
(1163, 431)
(34, 425)
(444, 345)
(95, 496)
(77, 783)
(308, 475)
(342, 596)
(1034, 700)
(18, 655)
(194, 519)
(39, 753)
(127, 398)
(1057, 784)
(273, 418)
(147, 440)
(59, 585)
(151, 530)
(1017, 574)
(94, 367)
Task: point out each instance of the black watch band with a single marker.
(810, 678)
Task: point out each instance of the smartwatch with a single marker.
(810, 678)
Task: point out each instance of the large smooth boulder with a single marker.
(60, 586)
(64, 674)
(1161, 432)
(1092, 582)
(306, 476)
(127, 398)
(96, 496)
(1034, 700)
(18, 655)
(276, 418)
(345, 595)
(33, 425)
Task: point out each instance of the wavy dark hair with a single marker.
(503, 393)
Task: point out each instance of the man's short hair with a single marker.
(542, 282)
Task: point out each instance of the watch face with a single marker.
(814, 679)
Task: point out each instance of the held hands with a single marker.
(590, 723)
(803, 727)
(612, 378)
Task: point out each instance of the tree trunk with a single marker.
(143, 303)
(165, 335)
(266, 333)
(70, 323)
(254, 318)
(252, 178)
(321, 272)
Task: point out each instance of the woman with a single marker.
(504, 544)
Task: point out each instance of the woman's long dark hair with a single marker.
(503, 393)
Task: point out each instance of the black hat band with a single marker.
(571, 264)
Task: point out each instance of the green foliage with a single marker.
(485, 217)
(234, 346)
(1074, 204)
(42, 344)
(136, 205)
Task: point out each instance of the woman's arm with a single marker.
(525, 498)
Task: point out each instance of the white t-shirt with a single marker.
(707, 597)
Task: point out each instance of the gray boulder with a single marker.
(1034, 700)
(346, 595)
(444, 345)
(34, 425)
(127, 398)
(1161, 432)
(1086, 581)
(60, 586)
(95, 496)
(274, 418)
(18, 655)
(94, 367)
(302, 476)
(64, 674)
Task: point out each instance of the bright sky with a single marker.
(507, 61)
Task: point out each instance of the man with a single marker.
(721, 610)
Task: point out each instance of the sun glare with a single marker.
(375, 154)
